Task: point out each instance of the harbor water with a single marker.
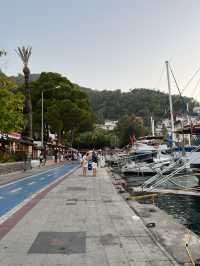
(185, 209)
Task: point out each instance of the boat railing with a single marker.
(127, 158)
(159, 178)
(160, 174)
(167, 177)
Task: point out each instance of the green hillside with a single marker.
(140, 102)
(6, 82)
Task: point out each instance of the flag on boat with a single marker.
(132, 139)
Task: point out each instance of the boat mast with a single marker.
(189, 123)
(170, 102)
(152, 127)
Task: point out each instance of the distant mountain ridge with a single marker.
(112, 105)
(19, 80)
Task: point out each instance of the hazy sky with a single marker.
(105, 44)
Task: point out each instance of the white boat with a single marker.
(146, 160)
(143, 169)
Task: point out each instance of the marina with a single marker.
(184, 208)
(172, 185)
(181, 204)
(100, 133)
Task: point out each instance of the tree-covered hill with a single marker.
(140, 102)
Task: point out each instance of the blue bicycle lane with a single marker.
(14, 193)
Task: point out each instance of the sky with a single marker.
(105, 44)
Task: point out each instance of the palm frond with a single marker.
(2, 52)
(24, 53)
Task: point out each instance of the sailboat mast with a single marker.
(152, 127)
(189, 123)
(170, 101)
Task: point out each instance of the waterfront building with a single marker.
(108, 125)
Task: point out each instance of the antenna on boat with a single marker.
(170, 102)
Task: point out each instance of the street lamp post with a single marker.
(42, 126)
(42, 116)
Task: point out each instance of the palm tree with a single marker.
(2, 52)
(25, 53)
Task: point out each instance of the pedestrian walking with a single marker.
(41, 159)
(94, 163)
(59, 156)
(102, 161)
(55, 155)
(45, 156)
(80, 157)
(98, 159)
(84, 164)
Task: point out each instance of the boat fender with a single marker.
(150, 225)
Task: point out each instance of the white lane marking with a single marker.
(28, 177)
(32, 183)
(16, 190)
(1, 197)
(23, 203)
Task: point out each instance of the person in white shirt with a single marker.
(85, 164)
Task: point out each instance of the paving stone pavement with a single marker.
(82, 222)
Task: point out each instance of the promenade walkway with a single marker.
(81, 221)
